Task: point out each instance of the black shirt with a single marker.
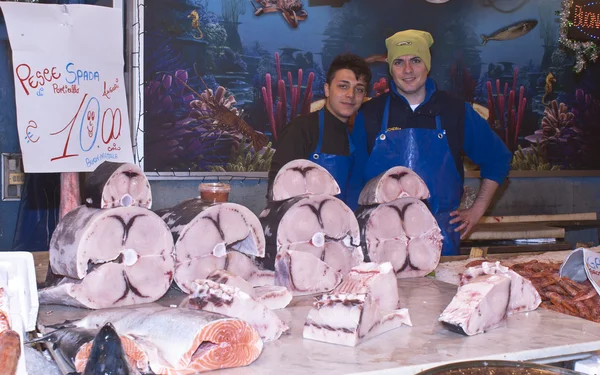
(299, 138)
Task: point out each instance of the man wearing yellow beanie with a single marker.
(425, 129)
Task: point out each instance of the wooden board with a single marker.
(538, 218)
(514, 231)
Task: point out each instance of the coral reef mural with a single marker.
(223, 77)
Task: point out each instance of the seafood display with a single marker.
(300, 177)
(272, 296)
(403, 232)
(319, 224)
(523, 295)
(396, 182)
(358, 309)
(377, 280)
(488, 293)
(233, 302)
(105, 354)
(561, 294)
(205, 234)
(478, 306)
(109, 257)
(303, 273)
(117, 184)
(179, 341)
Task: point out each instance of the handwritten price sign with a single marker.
(69, 87)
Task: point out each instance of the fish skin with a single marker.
(511, 32)
(10, 352)
(107, 356)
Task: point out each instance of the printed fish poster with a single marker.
(221, 73)
(69, 85)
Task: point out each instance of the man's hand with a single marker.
(470, 216)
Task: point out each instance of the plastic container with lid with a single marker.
(214, 192)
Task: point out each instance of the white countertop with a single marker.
(541, 336)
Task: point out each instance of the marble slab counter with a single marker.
(541, 336)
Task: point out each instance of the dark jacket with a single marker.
(299, 138)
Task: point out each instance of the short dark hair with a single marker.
(352, 62)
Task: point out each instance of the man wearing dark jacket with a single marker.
(322, 136)
(416, 126)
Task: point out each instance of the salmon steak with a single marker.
(178, 341)
(110, 257)
(396, 182)
(205, 234)
(402, 232)
(117, 184)
(301, 177)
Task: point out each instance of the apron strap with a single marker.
(386, 115)
(438, 124)
(350, 144)
(321, 127)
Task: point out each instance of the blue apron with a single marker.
(339, 166)
(427, 153)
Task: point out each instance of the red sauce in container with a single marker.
(214, 192)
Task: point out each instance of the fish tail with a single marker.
(484, 39)
(259, 141)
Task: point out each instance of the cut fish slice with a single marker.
(303, 273)
(117, 184)
(205, 233)
(110, 257)
(396, 182)
(479, 306)
(321, 225)
(300, 177)
(10, 352)
(233, 302)
(523, 295)
(182, 341)
(273, 297)
(377, 280)
(402, 232)
(349, 319)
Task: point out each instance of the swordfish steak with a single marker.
(349, 319)
(321, 225)
(396, 182)
(300, 177)
(402, 232)
(110, 257)
(523, 295)
(205, 235)
(178, 341)
(117, 184)
(478, 306)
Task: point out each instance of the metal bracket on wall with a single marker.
(13, 176)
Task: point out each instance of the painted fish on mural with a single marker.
(511, 32)
(291, 10)
(224, 119)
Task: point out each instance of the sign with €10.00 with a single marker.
(69, 86)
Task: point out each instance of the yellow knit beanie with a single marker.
(409, 42)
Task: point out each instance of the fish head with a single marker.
(529, 25)
(107, 356)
